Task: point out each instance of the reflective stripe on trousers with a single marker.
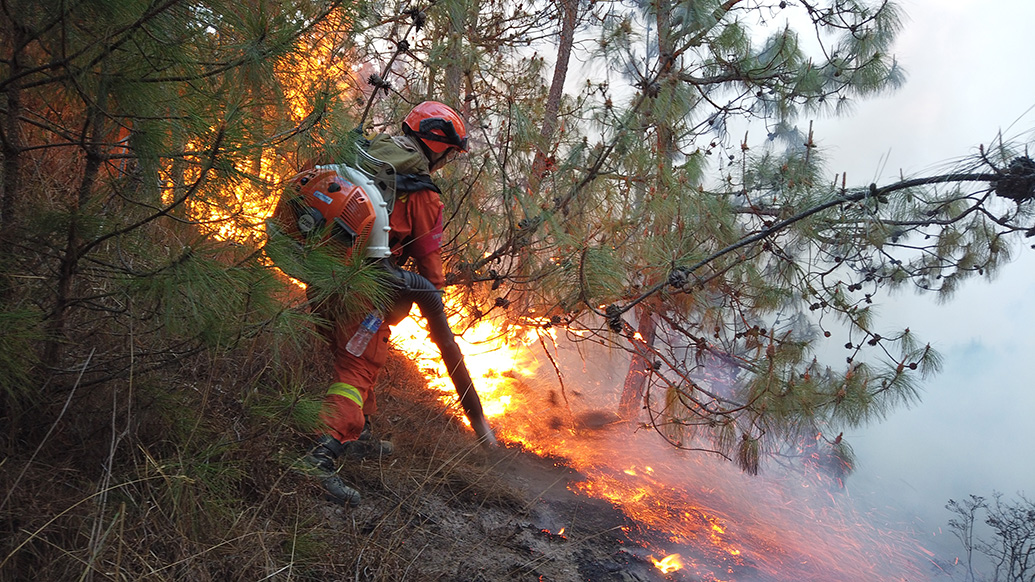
(348, 391)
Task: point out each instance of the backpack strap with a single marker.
(396, 166)
(382, 173)
(406, 183)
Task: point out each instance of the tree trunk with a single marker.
(641, 365)
(569, 17)
(12, 161)
(69, 265)
(455, 73)
(667, 78)
(10, 140)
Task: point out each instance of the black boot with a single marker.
(367, 446)
(320, 463)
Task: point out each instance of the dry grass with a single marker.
(195, 484)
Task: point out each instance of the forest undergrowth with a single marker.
(196, 483)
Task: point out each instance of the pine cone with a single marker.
(1018, 183)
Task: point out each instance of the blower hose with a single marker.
(412, 288)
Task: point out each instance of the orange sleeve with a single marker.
(417, 224)
(430, 267)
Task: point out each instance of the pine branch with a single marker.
(858, 195)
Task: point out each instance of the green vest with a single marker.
(411, 167)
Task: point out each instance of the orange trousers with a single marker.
(351, 396)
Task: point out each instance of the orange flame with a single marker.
(669, 563)
(496, 363)
(244, 205)
(731, 525)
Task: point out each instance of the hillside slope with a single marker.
(200, 487)
(442, 509)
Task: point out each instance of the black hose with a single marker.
(413, 288)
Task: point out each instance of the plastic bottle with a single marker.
(358, 343)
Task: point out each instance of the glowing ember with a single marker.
(669, 563)
(554, 537)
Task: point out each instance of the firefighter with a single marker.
(433, 134)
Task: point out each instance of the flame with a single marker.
(669, 563)
(495, 361)
(237, 215)
(728, 526)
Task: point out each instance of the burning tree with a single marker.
(671, 205)
(136, 138)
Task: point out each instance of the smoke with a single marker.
(968, 435)
(792, 522)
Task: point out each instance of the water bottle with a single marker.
(358, 343)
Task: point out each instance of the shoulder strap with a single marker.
(394, 160)
(413, 182)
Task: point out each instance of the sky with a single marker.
(968, 79)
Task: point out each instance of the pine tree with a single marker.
(674, 195)
(142, 144)
(141, 322)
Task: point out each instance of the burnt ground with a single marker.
(442, 508)
(533, 528)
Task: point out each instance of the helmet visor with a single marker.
(442, 131)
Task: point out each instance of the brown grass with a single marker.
(193, 484)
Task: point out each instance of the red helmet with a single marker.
(437, 125)
(321, 202)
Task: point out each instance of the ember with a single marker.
(554, 537)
